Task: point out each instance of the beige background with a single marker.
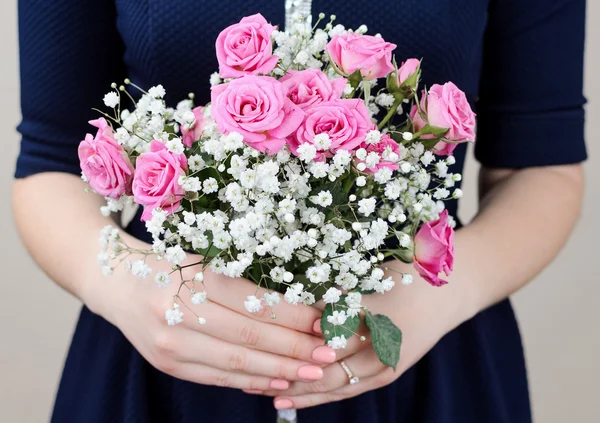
(558, 313)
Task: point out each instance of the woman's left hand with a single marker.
(423, 313)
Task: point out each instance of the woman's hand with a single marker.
(234, 348)
(423, 313)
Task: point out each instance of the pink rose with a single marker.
(385, 148)
(407, 70)
(446, 106)
(155, 181)
(346, 122)
(104, 162)
(372, 55)
(434, 251)
(309, 87)
(258, 108)
(193, 133)
(246, 48)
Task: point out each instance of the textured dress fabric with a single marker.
(520, 63)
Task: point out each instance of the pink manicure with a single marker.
(283, 404)
(317, 326)
(279, 384)
(324, 354)
(310, 372)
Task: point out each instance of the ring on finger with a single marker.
(352, 379)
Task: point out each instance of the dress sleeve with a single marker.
(530, 108)
(70, 52)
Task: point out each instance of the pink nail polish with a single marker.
(279, 384)
(310, 372)
(253, 391)
(283, 404)
(317, 326)
(324, 354)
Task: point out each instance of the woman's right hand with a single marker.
(236, 349)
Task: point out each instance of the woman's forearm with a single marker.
(525, 217)
(60, 224)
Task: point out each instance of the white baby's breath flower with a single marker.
(307, 152)
(174, 316)
(407, 279)
(322, 141)
(373, 137)
(427, 158)
(441, 193)
(441, 168)
(361, 181)
(323, 199)
(348, 90)
(140, 269)
(338, 342)
(301, 58)
(175, 145)
(111, 99)
(175, 255)
(199, 298)
(385, 100)
(366, 206)
(210, 185)
(215, 79)
(157, 92)
(342, 158)
(307, 298)
(332, 296)
(272, 298)
(337, 318)
(253, 304)
(162, 279)
(293, 293)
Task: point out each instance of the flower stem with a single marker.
(391, 113)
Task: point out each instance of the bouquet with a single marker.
(317, 159)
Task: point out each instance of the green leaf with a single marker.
(348, 329)
(436, 131)
(386, 338)
(355, 78)
(429, 143)
(405, 255)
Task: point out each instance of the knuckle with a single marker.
(333, 397)
(164, 343)
(237, 361)
(300, 318)
(282, 371)
(250, 335)
(255, 384)
(295, 347)
(223, 380)
(317, 387)
(165, 364)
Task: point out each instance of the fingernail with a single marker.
(253, 391)
(317, 326)
(324, 354)
(279, 384)
(283, 404)
(310, 372)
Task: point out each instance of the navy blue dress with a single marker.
(520, 63)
